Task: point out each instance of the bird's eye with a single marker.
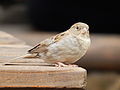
(77, 27)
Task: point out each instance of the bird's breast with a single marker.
(69, 49)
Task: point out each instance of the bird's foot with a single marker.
(60, 64)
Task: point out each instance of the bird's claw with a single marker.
(60, 64)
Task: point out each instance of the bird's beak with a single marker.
(84, 30)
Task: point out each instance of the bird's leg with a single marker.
(60, 64)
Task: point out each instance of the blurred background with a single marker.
(35, 20)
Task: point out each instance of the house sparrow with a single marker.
(65, 48)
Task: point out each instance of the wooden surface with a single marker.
(34, 72)
(42, 88)
(41, 76)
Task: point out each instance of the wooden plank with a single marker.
(42, 76)
(42, 88)
(33, 73)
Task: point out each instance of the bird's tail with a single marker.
(19, 58)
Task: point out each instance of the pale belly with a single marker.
(68, 50)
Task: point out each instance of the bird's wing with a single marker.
(42, 47)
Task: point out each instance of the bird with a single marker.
(65, 48)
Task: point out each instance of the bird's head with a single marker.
(80, 28)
